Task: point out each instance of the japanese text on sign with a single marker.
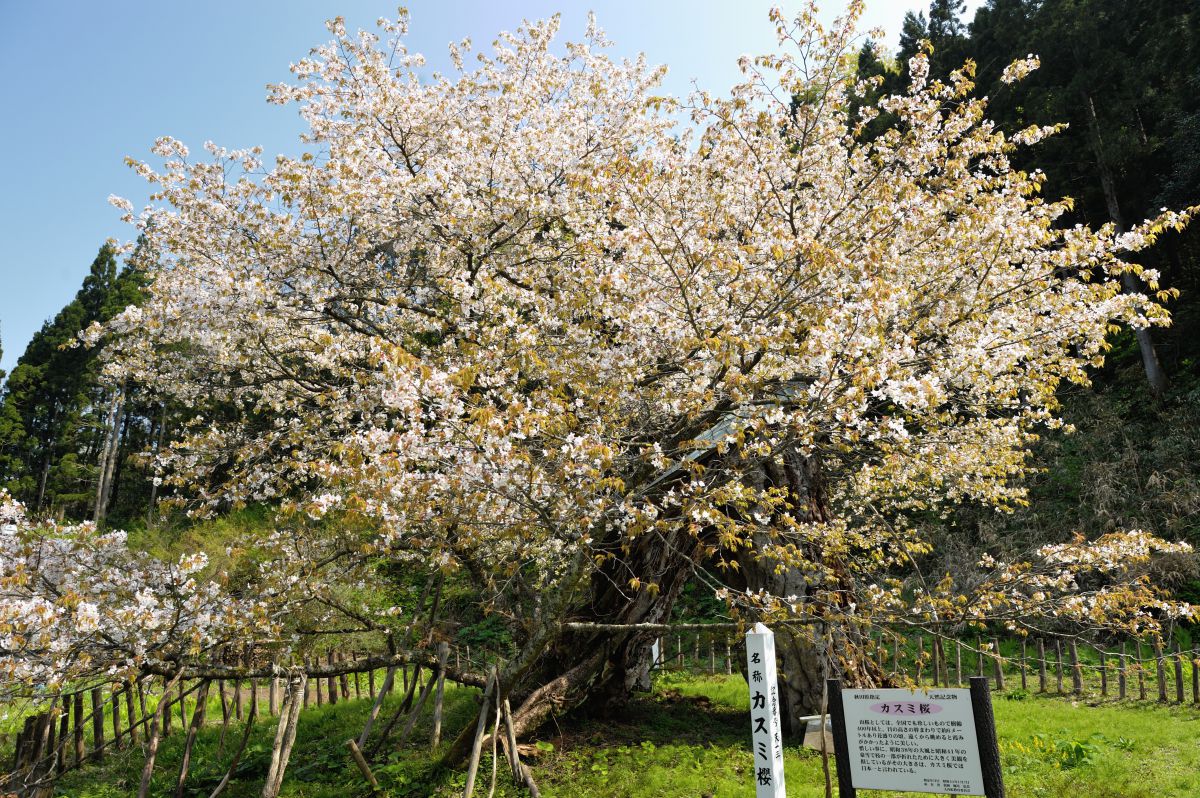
(913, 741)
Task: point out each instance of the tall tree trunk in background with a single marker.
(108, 456)
(158, 444)
(118, 457)
(1131, 284)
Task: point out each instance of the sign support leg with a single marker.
(841, 747)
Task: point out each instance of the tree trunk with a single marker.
(1130, 283)
(601, 670)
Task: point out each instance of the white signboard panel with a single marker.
(913, 741)
(764, 713)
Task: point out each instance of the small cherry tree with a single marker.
(534, 320)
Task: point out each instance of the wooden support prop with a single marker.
(357, 685)
(344, 678)
(80, 750)
(224, 697)
(361, 762)
(712, 657)
(476, 746)
(443, 655)
(193, 730)
(1160, 670)
(331, 683)
(1058, 666)
(182, 704)
(64, 726)
(237, 698)
(1024, 664)
(1122, 678)
(979, 656)
(273, 695)
(679, 652)
(371, 683)
(997, 665)
(958, 662)
(161, 713)
(387, 686)
(1076, 669)
(114, 695)
(285, 734)
(896, 657)
(416, 711)
(1103, 673)
(237, 755)
(728, 660)
(130, 714)
(1041, 655)
(1178, 674)
(521, 772)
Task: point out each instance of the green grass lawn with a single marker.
(689, 738)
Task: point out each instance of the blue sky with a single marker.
(87, 83)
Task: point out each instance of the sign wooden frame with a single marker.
(985, 732)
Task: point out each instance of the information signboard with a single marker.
(912, 740)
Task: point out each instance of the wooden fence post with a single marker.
(958, 662)
(1178, 674)
(1160, 670)
(331, 682)
(1103, 673)
(1041, 654)
(1058, 665)
(728, 659)
(1141, 673)
(1076, 670)
(1024, 664)
(979, 656)
(1122, 679)
(1195, 678)
(997, 665)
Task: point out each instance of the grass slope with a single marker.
(688, 739)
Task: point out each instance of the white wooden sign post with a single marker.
(764, 713)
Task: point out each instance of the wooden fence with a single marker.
(82, 725)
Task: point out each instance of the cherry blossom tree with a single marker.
(533, 320)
